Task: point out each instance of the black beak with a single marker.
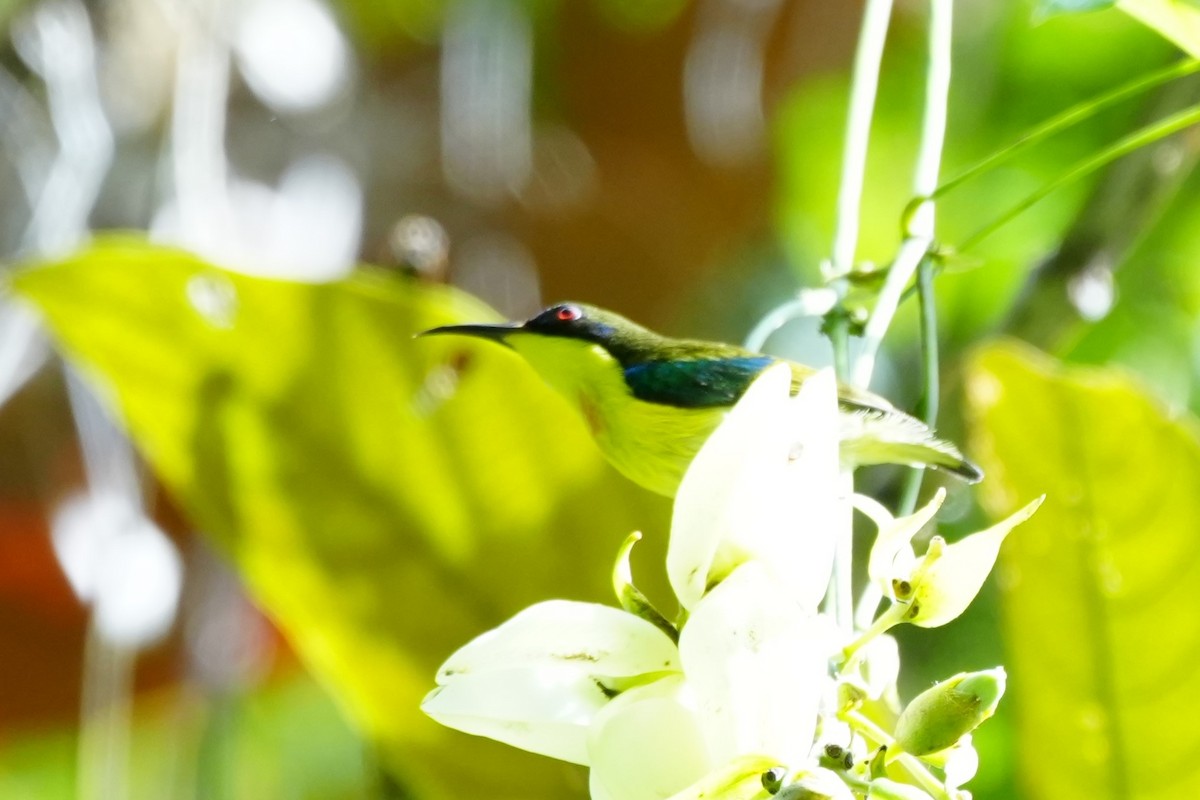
(496, 333)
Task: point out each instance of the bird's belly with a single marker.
(653, 444)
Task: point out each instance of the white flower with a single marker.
(763, 487)
(538, 681)
(758, 664)
(937, 587)
(750, 555)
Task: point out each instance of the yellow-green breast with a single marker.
(650, 443)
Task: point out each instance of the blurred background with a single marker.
(674, 160)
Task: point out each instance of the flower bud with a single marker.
(938, 717)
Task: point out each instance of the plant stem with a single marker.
(1122, 207)
(1071, 116)
(1138, 139)
(921, 221)
(929, 358)
(867, 728)
(863, 89)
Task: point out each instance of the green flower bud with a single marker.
(938, 717)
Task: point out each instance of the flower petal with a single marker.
(813, 509)
(887, 789)
(740, 779)
(961, 763)
(764, 486)
(891, 555)
(537, 681)
(951, 581)
(880, 661)
(544, 711)
(725, 481)
(646, 743)
(585, 638)
(758, 665)
(817, 784)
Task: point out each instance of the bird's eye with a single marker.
(567, 313)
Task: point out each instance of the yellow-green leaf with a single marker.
(1099, 586)
(385, 498)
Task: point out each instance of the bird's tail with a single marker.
(877, 436)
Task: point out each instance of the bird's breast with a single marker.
(650, 443)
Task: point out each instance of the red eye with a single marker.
(568, 314)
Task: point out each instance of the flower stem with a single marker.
(920, 221)
(1071, 116)
(864, 86)
(885, 622)
(869, 729)
(1139, 138)
(929, 358)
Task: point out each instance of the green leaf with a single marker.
(1098, 587)
(1177, 20)
(385, 498)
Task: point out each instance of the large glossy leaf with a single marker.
(1099, 586)
(385, 498)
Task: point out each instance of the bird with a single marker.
(651, 401)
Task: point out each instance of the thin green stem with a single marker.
(924, 777)
(869, 729)
(1140, 138)
(889, 619)
(822, 302)
(930, 368)
(921, 219)
(839, 337)
(864, 86)
(841, 586)
(1070, 117)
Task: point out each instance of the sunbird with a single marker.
(651, 401)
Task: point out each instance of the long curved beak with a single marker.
(496, 333)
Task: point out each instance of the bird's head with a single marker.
(577, 321)
(573, 346)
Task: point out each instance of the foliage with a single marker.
(386, 498)
(377, 493)
(1096, 589)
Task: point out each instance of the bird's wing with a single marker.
(695, 374)
(702, 382)
(849, 397)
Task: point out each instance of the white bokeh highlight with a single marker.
(120, 563)
(291, 53)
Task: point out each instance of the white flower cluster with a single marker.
(752, 691)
